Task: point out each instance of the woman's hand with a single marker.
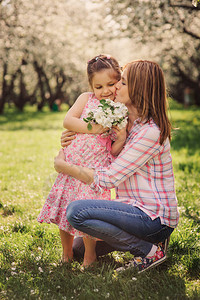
(67, 137)
(118, 144)
(59, 161)
(83, 174)
(121, 134)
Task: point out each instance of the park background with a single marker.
(44, 49)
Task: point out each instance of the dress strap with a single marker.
(91, 96)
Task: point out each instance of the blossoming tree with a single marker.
(43, 50)
(170, 28)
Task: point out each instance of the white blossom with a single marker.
(134, 278)
(108, 114)
(40, 269)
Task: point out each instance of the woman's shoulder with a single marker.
(153, 133)
(152, 130)
(147, 130)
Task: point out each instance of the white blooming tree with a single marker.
(44, 48)
(170, 27)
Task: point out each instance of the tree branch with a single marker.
(184, 6)
(191, 33)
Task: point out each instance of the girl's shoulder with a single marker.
(92, 102)
(92, 98)
(87, 96)
(91, 95)
(84, 95)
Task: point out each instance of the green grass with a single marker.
(30, 252)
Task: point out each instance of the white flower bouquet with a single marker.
(108, 114)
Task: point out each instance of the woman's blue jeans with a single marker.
(122, 226)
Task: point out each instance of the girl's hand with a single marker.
(98, 129)
(59, 161)
(67, 137)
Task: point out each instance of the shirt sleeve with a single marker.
(136, 153)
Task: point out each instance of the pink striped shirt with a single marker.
(142, 174)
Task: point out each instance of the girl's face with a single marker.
(103, 84)
(122, 90)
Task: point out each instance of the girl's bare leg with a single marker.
(67, 241)
(90, 251)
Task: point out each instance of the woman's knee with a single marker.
(71, 211)
(78, 211)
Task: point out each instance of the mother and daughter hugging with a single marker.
(134, 160)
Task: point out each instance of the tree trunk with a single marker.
(58, 94)
(22, 98)
(41, 83)
(4, 89)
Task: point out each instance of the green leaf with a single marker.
(103, 101)
(106, 105)
(89, 126)
(85, 120)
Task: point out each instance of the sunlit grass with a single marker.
(30, 252)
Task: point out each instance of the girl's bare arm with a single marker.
(72, 120)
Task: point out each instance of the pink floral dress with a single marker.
(89, 150)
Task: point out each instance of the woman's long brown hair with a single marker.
(146, 88)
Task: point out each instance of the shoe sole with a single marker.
(156, 263)
(166, 244)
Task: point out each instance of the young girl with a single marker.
(86, 150)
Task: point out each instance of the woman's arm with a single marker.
(135, 154)
(83, 174)
(140, 148)
(72, 120)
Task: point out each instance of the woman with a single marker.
(145, 210)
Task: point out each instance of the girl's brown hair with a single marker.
(146, 88)
(101, 62)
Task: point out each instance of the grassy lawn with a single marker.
(30, 252)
